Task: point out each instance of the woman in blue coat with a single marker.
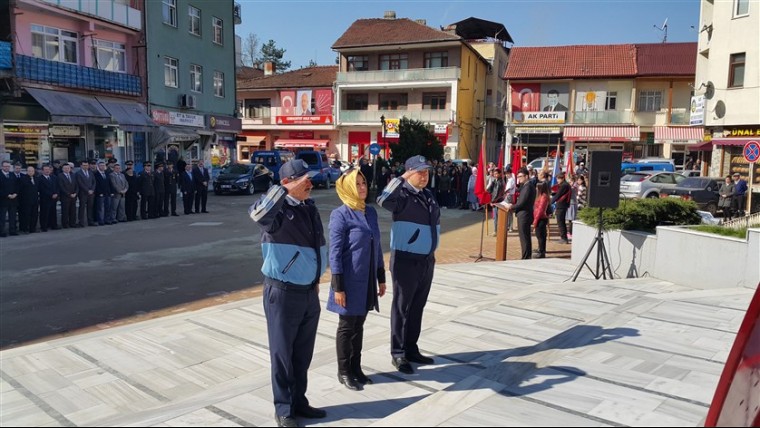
(358, 273)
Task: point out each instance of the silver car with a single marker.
(648, 184)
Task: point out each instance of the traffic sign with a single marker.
(752, 151)
(374, 149)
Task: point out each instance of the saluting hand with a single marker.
(299, 188)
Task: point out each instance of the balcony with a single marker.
(75, 76)
(496, 112)
(679, 116)
(237, 13)
(373, 116)
(6, 63)
(610, 116)
(109, 10)
(408, 75)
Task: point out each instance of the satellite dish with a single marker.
(709, 90)
(720, 109)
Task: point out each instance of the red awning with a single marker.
(679, 133)
(701, 147)
(601, 133)
(733, 141)
(283, 143)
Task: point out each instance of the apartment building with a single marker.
(397, 67)
(630, 97)
(71, 77)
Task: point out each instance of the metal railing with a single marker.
(373, 116)
(679, 116)
(609, 116)
(109, 10)
(6, 60)
(751, 220)
(407, 75)
(76, 76)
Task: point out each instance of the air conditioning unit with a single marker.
(188, 101)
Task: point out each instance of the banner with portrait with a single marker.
(555, 97)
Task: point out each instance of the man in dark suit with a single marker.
(561, 199)
(69, 189)
(170, 187)
(524, 210)
(201, 178)
(9, 193)
(48, 199)
(103, 195)
(86, 184)
(187, 186)
(29, 206)
(160, 188)
(147, 192)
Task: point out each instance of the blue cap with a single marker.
(296, 168)
(417, 163)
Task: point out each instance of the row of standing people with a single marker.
(295, 256)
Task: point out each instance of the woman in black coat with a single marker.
(130, 201)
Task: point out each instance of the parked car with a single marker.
(272, 160)
(318, 162)
(243, 178)
(690, 173)
(704, 191)
(644, 166)
(648, 184)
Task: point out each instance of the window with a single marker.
(358, 63)
(194, 20)
(650, 100)
(436, 59)
(357, 101)
(109, 56)
(258, 108)
(196, 78)
(392, 101)
(169, 11)
(171, 76)
(736, 71)
(741, 7)
(219, 84)
(218, 30)
(394, 62)
(55, 44)
(611, 102)
(434, 101)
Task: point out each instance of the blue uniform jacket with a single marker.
(416, 219)
(292, 238)
(356, 260)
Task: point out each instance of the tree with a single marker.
(270, 53)
(250, 50)
(312, 63)
(416, 138)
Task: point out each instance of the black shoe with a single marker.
(204, 211)
(539, 255)
(402, 364)
(310, 412)
(419, 358)
(349, 382)
(14, 233)
(360, 377)
(286, 421)
(175, 215)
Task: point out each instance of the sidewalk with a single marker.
(514, 345)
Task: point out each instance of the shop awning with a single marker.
(601, 133)
(701, 147)
(538, 130)
(71, 108)
(252, 139)
(679, 133)
(733, 141)
(166, 134)
(130, 116)
(320, 144)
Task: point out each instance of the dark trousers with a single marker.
(130, 206)
(523, 230)
(159, 205)
(28, 215)
(560, 214)
(411, 287)
(187, 202)
(170, 199)
(86, 209)
(47, 213)
(348, 343)
(104, 209)
(10, 210)
(201, 196)
(541, 227)
(68, 211)
(147, 206)
(737, 203)
(292, 318)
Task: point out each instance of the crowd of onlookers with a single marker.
(98, 193)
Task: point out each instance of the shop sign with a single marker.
(225, 123)
(392, 128)
(539, 117)
(537, 130)
(301, 135)
(305, 120)
(65, 131)
(697, 111)
(741, 132)
(26, 129)
(440, 128)
(186, 119)
(161, 117)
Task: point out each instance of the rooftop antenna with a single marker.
(664, 29)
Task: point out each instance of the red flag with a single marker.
(570, 164)
(480, 181)
(501, 158)
(516, 161)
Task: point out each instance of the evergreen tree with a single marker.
(270, 53)
(416, 138)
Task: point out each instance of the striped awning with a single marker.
(601, 133)
(690, 134)
(287, 144)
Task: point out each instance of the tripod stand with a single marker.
(480, 255)
(602, 259)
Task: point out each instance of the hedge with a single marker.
(644, 214)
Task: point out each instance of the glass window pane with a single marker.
(38, 42)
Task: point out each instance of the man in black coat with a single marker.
(48, 199)
(86, 184)
(9, 194)
(201, 178)
(170, 186)
(160, 189)
(103, 195)
(147, 192)
(524, 210)
(561, 199)
(187, 186)
(69, 190)
(30, 197)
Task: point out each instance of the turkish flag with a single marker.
(480, 181)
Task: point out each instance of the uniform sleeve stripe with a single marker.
(388, 190)
(267, 203)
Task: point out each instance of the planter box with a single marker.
(678, 254)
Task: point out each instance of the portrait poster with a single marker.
(555, 97)
(303, 106)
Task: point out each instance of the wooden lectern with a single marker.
(501, 232)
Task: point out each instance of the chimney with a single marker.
(421, 21)
(390, 14)
(268, 68)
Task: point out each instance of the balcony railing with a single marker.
(384, 76)
(6, 63)
(610, 116)
(679, 116)
(237, 13)
(373, 116)
(76, 76)
(110, 10)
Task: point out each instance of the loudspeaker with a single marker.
(604, 179)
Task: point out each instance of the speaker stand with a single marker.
(480, 256)
(603, 266)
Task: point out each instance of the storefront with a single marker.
(247, 143)
(178, 137)
(27, 143)
(536, 141)
(224, 142)
(584, 139)
(678, 142)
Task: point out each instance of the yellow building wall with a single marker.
(471, 96)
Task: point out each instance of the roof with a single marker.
(600, 61)
(475, 28)
(308, 77)
(379, 32)
(666, 59)
(248, 73)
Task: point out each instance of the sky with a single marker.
(306, 28)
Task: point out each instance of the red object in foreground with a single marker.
(736, 397)
(501, 158)
(480, 181)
